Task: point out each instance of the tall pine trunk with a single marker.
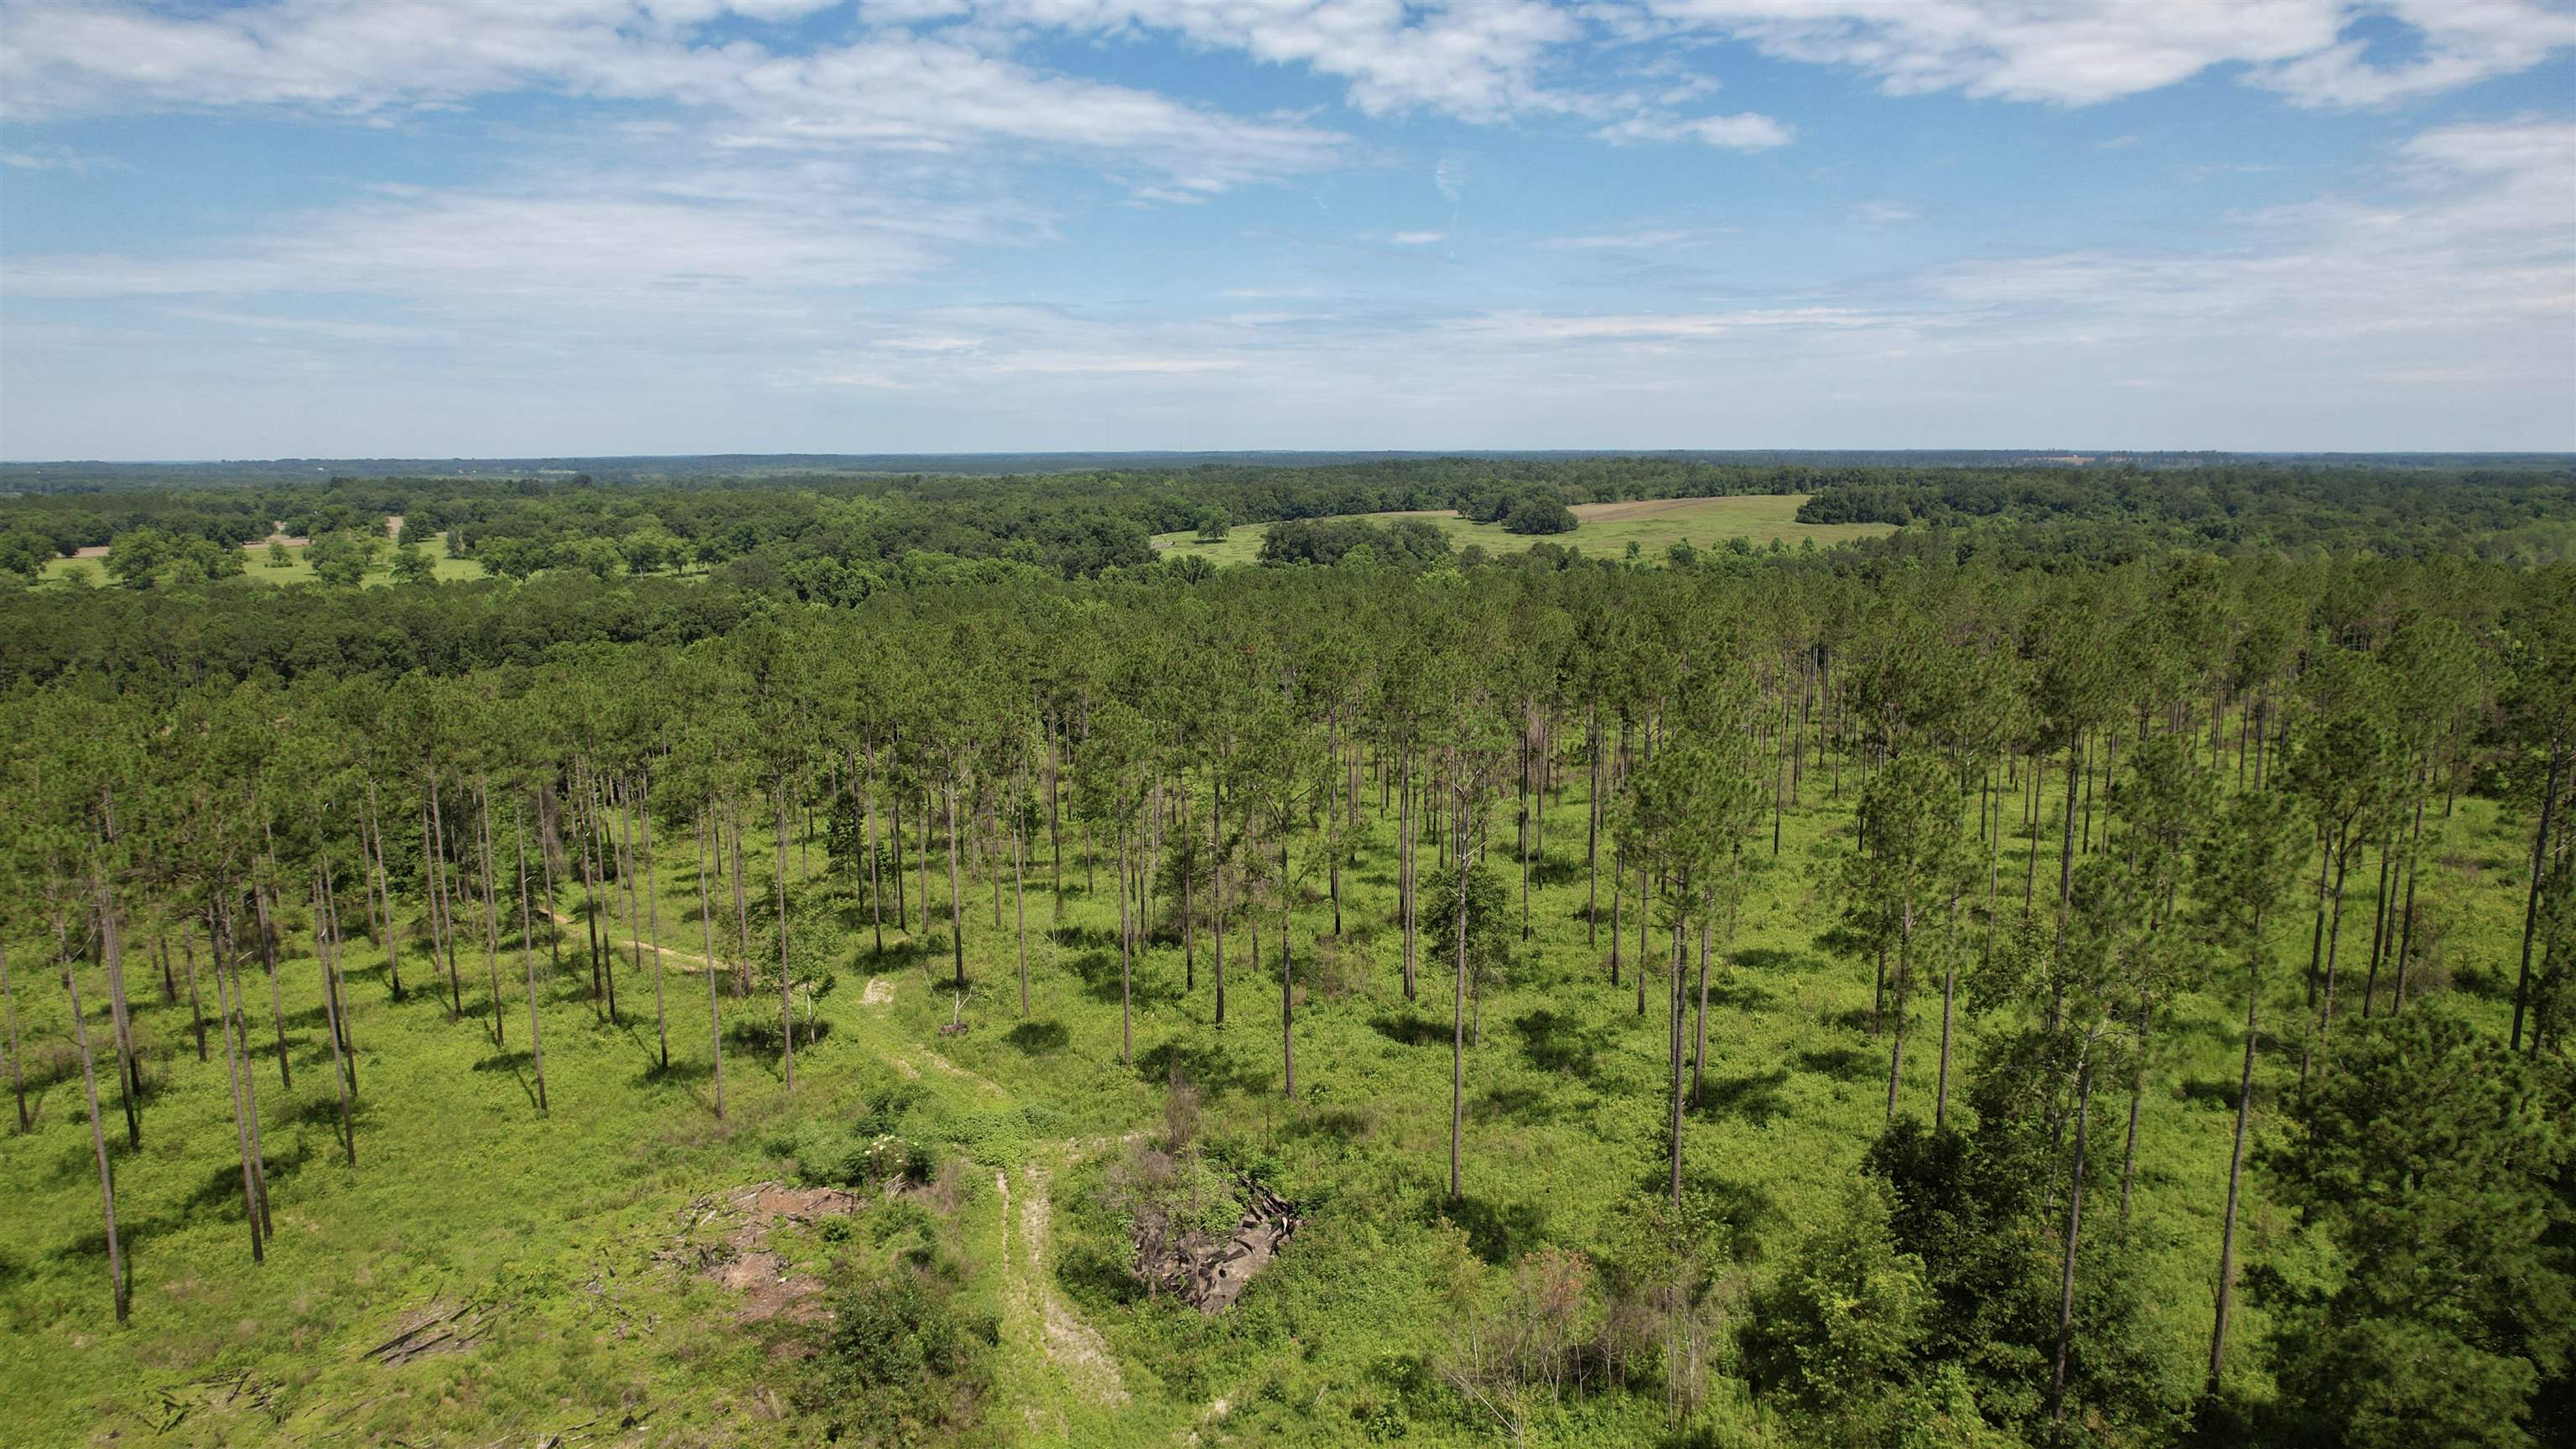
(956, 896)
(1458, 1031)
(1287, 977)
(707, 934)
(17, 1073)
(786, 987)
(2531, 904)
(1126, 963)
(384, 894)
(2236, 1169)
(237, 1069)
(1405, 853)
(1216, 871)
(528, 961)
(97, 1129)
(323, 946)
(2074, 1227)
(653, 921)
(876, 883)
(196, 1008)
(268, 959)
(491, 910)
(1676, 976)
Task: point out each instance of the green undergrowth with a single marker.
(569, 1234)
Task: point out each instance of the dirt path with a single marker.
(690, 960)
(1071, 1344)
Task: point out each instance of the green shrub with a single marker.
(899, 1365)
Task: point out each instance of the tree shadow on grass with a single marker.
(1410, 1030)
(1211, 1069)
(682, 1070)
(1842, 1063)
(1497, 1232)
(324, 1112)
(516, 1064)
(1519, 1102)
(1039, 1038)
(1098, 971)
(1770, 958)
(1083, 938)
(1753, 1099)
(224, 1183)
(1556, 1042)
(1555, 871)
(1735, 992)
(1093, 1277)
(759, 1034)
(2212, 1091)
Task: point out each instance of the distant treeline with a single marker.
(2128, 512)
(99, 477)
(1080, 524)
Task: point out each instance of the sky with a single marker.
(473, 228)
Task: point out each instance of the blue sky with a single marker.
(503, 227)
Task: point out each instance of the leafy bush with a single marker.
(899, 1365)
(1539, 513)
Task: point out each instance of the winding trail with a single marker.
(1073, 1346)
(690, 960)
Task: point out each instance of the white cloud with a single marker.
(1746, 132)
(567, 259)
(1480, 59)
(1417, 238)
(2472, 267)
(1883, 213)
(1449, 178)
(889, 90)
(1648, 239)
(59, 158)
(2078, 52)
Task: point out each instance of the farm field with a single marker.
(1604, 530)
(296, 570)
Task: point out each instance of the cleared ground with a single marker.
(1602, 529)
(296, 570)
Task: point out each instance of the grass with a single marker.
(1603, 530)
(568, 1222)
(256, 565)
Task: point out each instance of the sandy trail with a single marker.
(1071, 1344)
(689, 960)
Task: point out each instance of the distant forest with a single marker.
(832, 536)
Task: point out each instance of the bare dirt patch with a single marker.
(1636, 508)
(743, 1261)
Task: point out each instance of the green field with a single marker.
(575, 1237)
(1604, 529)
(256, 565)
